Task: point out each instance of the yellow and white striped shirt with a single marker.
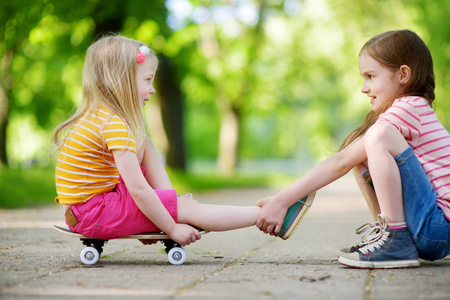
(85, 165)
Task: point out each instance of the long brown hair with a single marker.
(393, 49)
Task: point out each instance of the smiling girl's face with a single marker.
(145, 74)
(380, 83)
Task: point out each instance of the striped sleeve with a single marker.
(403, 115)
(117, 136)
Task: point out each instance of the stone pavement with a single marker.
(38, 263)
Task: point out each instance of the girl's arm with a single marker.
(274, 209)
(155, 174)
(148, 202)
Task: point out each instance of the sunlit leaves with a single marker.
(290, 68)
(81, 30)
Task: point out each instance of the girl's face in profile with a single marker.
(381, 84)
(145, 74)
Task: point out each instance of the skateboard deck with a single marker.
(94, 247)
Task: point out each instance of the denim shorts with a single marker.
(426, 221)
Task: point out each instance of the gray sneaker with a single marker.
(390, 248)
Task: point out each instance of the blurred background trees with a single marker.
(240, 81)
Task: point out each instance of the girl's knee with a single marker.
(386, 136)
(186, 202)
(187, 207)
(378, 132)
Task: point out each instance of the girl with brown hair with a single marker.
(407, 151)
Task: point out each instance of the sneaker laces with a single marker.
(370, 230)
(377, 237)
(371, 234)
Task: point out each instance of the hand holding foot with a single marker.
(271, 217)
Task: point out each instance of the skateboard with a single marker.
(94, 247)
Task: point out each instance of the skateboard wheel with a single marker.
(89, 255)
(177, 255)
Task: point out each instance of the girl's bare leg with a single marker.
(205, 216)
(367, 191)
(216, 217)
(383, 142)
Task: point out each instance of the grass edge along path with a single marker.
(35, 186)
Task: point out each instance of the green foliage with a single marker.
(27, 187)
(434, 23)
(287, 70)
(291, 74)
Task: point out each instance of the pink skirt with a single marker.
(115, 214)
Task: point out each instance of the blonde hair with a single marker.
(109, 79)
(393, 49)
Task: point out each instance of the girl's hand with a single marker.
(184, 234)
(271, 217)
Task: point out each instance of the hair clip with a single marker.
(143, 51)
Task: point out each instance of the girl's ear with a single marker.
(405, 74)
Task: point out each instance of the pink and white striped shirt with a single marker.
(429, 140)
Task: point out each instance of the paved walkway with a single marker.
(38, 263)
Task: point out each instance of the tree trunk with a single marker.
(3, 135)
(5, 86)
(172, 108)
(230, 130)
(110, 22)
(228, 141)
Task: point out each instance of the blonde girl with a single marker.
(407, 151)
(109, 177)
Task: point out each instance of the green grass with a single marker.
(34, 186)
(27, 187)
(184, 182)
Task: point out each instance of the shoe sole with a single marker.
(394, 264)
(305, 204)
